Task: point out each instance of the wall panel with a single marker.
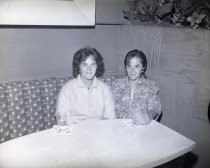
(38, 53)
(145, 38)
(185, 56)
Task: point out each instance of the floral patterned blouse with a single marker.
(145, 97)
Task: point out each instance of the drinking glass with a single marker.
(61, 119)
(140, 117)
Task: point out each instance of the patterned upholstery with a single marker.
(4, 116)
(33, 105)
(109, 79)
(15, 107)
(49, 94)
(29, 106)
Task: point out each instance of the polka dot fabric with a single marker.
(4, 116)
(29, 106)
(49, 94)
(16, 111)
(33, 106)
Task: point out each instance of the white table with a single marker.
(96, 144)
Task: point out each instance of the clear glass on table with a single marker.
(140, 116)
(61, 119)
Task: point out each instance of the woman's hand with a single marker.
(152, 114)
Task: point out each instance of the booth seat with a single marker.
(29, 106)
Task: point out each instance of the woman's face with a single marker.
(134, 68)
(88, 68)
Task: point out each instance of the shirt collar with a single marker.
(80, 84)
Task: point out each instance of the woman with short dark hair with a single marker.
(136, 96)
(82, 54)
(85, 96)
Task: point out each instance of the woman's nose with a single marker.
(89, 68)
(132, 69)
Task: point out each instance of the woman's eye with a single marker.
(84, 65)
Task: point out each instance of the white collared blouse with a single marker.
(75, 99)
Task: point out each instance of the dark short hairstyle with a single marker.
(81, 55)
(138, 54)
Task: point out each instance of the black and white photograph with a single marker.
(104, 83)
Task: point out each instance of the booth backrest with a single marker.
(29, 106)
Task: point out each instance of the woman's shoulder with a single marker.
(102, 83)
(151, 84)
(119, 81)
(68, 84)
(149, 81)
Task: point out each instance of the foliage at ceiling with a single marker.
(191, 13)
